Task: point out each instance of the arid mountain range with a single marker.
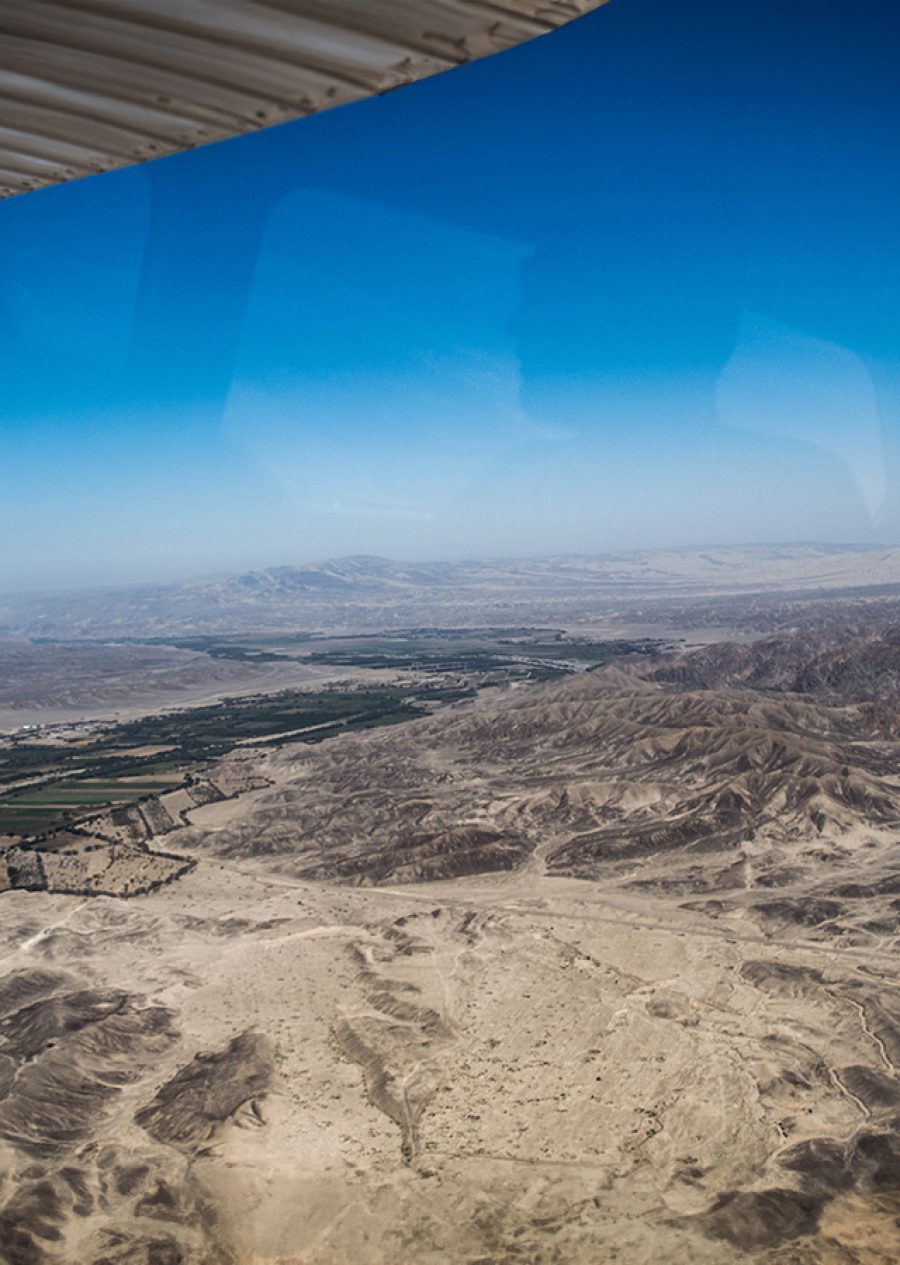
(361, 592)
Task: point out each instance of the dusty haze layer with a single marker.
(365, 592)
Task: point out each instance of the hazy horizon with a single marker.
(302, 563)
(651, 303)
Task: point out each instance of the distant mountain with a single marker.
(363, 590)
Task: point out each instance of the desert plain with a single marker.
(589, 965)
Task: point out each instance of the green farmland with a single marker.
(36, 809)
(45, 784)
(67, 782)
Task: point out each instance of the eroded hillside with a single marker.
(778, 805)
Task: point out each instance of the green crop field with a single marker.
(77, 779)
(34, 810)
(70, 780)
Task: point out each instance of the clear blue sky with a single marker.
(636, 283)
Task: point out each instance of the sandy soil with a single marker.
(510, 1068)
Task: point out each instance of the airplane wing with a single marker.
(90, 85)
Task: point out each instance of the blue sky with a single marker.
(633, 284)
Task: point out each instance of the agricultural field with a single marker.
(44, 784)
(522, 653)
(443, 649)
(56, 774)
(525, 654)
(36, 809)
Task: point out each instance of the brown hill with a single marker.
(607, 776)
(839, 666)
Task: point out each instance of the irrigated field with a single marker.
(43, 785)
(46, 783)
